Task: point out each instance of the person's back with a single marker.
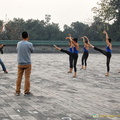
(24, 50)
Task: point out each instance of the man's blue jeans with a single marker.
(3, 66)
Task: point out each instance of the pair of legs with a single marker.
(21, 70)
(73, 59)
(84, 59)
(108, 56)
(3, 66)
(71, 63)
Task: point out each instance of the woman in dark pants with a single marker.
(1, 62)
(86, 52)
(107, 53)
(73, 54)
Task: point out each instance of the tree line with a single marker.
(107, 11)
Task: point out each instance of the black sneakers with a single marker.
(28, 94)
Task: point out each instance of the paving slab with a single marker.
(58, 96)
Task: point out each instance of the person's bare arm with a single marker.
(107, 37)
(83, 40)
(73, 42)
(87, 39)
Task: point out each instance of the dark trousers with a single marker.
(84, 58)
(108, 55)
(73, 59)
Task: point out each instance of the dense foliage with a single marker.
(40, 30)
(107, 11)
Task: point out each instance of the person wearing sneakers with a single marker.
(107, 53)
(1, 62)
(24, 50)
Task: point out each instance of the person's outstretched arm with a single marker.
(87, 39)
(74, 43)
(83, 40)
(107, 37)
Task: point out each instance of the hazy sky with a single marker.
(61, 11)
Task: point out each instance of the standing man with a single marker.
(24, 50)
(1, 62)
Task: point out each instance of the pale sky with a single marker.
(61, 11)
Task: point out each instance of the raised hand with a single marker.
(104, 32)
(82, 37)
(85, 37)
(67, 38)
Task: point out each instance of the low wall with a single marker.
(50, 49)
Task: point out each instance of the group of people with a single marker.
(73, 52)
(25, 48)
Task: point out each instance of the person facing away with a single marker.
(85, 53)
(1, 62)
(71, 45)
(24, 50)
(107, 53)
(73, 54)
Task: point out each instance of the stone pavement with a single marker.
(57, 96)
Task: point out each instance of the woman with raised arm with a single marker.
(73, 54)
(107, 53)
(70, 56)
(86, 52)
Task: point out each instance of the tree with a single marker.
(36, 29)
(1, 25)
(68, 30)
(52, 31)
(115, 5)
(104, 10)
(14, 29)
(109, 12)
(79, 28)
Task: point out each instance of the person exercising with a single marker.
(86, 52)
(73, 54)
(107, 53)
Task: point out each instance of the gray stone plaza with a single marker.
(58, 96)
